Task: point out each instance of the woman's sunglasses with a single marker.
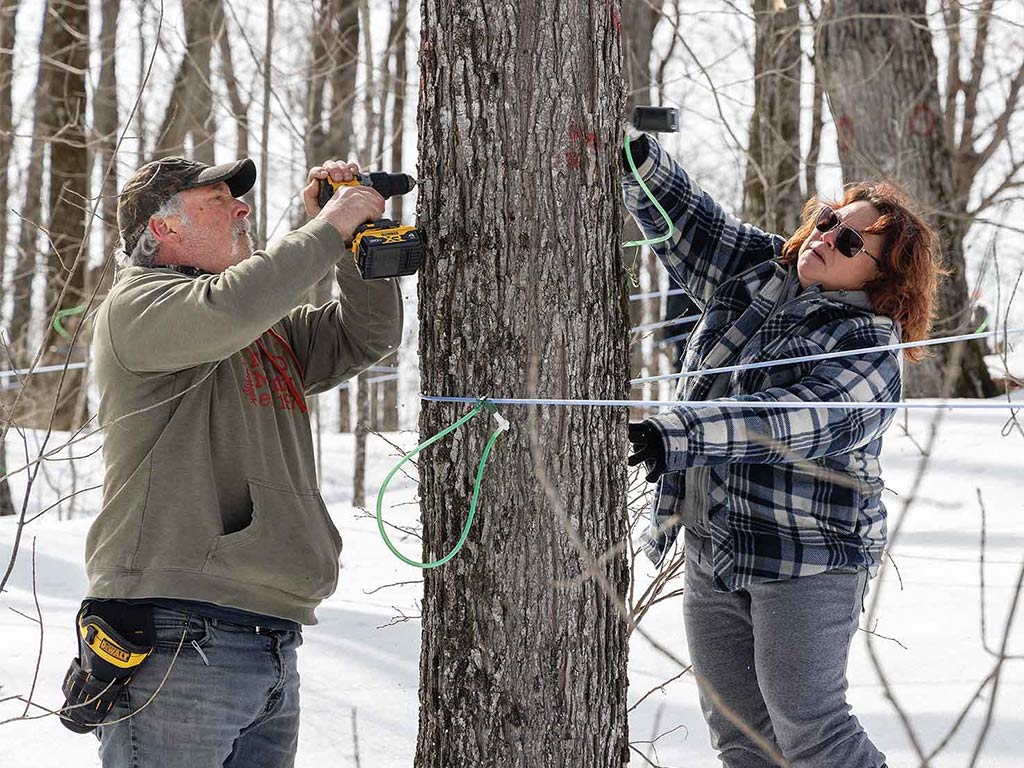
(848, 240)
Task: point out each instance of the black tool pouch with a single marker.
(114, 639)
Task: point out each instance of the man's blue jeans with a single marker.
(230, 698)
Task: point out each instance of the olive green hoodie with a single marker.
(210, 491)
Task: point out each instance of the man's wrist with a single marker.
(323, 230)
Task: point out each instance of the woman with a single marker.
(782, 509)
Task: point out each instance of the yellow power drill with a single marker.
(383, 248)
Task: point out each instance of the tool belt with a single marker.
(114, 639)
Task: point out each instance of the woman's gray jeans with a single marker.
(776, 653)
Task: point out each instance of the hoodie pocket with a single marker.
(290, 545)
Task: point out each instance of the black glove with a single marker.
(647, 448)
(639, 148)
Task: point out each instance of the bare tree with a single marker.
(387, 391)
(329, 102)
(8, 12)
(140, 106)
(884, 93)
(639, 22)
(239, 106)
(521, 664)
(6, 499)
(266, 68)
(64, 57)
(189, 110)
(361, 431)
(772, 184)
(817, 109)
(105, 125)
(29, 228)
(364, 410)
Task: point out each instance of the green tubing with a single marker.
(502, 426)
(61, 314)
(653, 199)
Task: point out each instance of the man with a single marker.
(212, 522)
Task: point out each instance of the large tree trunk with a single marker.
(522, 664)
(772, 183)
(65, 53)
(881, 76)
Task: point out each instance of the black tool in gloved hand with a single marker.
(114, 639)
(647, 449)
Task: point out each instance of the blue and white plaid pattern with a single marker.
(787, 492)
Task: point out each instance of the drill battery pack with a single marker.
(114, 639)
(386, 248)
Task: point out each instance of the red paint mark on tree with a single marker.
(922, 121)
(616, 22)
(578, 137)
(845, 131)
(572, 159)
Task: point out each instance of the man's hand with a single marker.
(647, 448)
(350, 206)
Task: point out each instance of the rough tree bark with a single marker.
(522, 662)
(881, 76)
(772, 184)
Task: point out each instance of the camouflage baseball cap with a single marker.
(158, 181)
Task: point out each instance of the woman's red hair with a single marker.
(905, 290)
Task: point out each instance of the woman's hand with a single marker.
(648, 448)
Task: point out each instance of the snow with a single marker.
(360, 664)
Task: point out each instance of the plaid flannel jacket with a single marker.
(784, 492)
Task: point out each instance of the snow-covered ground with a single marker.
(359, 665)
